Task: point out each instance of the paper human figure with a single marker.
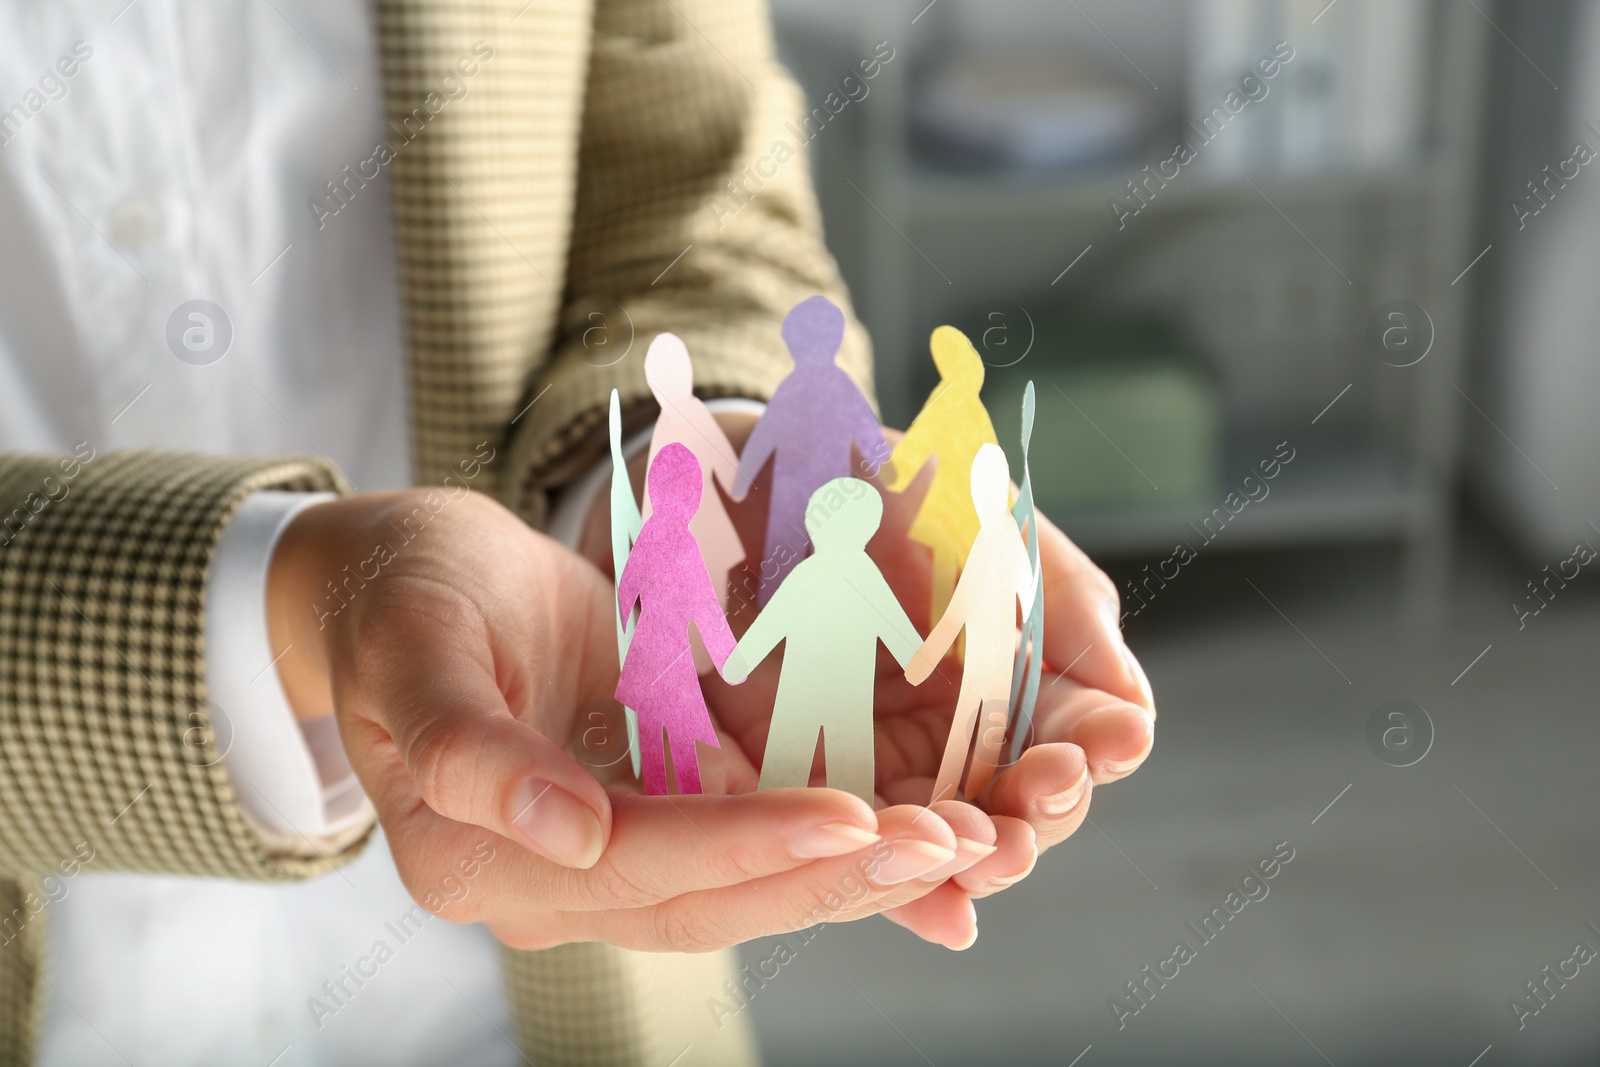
(997, 577)
(1030, 650)
(667, 578)
(952, 426)
(625, 524)
(830, 614)
(814, 417)
(686, 420)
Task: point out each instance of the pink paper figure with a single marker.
(830, 616)
(814, 417)
(686, 420)
(667, 578)
(997, 577)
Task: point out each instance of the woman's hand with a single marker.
(470, 657)
(1094, 722)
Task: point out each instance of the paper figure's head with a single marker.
(667, 368)
(958, 362)
(843, 515)
(814, 330)
(991, 482)
(674, 484)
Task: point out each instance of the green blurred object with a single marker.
(1128, 415)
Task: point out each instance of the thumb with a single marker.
(467, 756)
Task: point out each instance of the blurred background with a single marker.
(1306, 290)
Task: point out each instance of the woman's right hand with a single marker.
(470, 658)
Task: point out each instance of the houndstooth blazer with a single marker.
(572, 181)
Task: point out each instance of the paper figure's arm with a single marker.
(899, 634)
(758, 448)
(713, 626)
(629, 585)
(870, 442)
(909, 457)
(758, 642)
(942, 637)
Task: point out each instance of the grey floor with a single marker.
(1415, 908)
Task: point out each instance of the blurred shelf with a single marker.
(1362, 495)
(942, 195)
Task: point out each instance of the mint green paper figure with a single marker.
(625, 526)
(830, 613)
(1030, 650)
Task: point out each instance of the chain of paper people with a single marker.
(830, 608)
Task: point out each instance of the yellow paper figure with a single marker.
(998, 576)
(952, 426)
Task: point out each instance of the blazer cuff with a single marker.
(105, 730)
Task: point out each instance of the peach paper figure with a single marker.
(686, 420)
(998, 576)
(814, 417)
(1030, 650)
(952, 426)
(667, 578)
(625, 523)
(830, 615)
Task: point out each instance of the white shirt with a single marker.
(174, 164)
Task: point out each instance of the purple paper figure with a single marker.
(667, 578)
(814, 417)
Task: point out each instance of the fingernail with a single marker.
(1136, 673)
(1069, 798)
(1013, 879)
(831, 839)
(1122, 766)
(1113, 619)
(968, 852)
(908, 859)
(557, 824)
(972, 939)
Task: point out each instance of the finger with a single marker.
(1048, 788)
(887, 875)
(975, 837)
(945, 917)
(1115, 735)
(1016, 851)
(433, 689)
(660, 848)
(1083, 632)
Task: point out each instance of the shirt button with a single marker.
(137, 221)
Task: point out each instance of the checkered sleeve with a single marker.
(694, 214)
(107, 741)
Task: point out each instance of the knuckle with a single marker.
(436, 754)
(611, 886)
(682, 930)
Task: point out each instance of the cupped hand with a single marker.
(1093, 724)
(467, 660)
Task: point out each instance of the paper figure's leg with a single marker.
(631, 717)
(955, 749)
(685, 763)
(848, 754)
(986, 753)
(653, 760)
(1025, 687)
(787, 544)
(791, 748)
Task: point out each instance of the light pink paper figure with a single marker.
(830, 614)
(814, 417)
(667, 578)
(686, 420)
(998, 576)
